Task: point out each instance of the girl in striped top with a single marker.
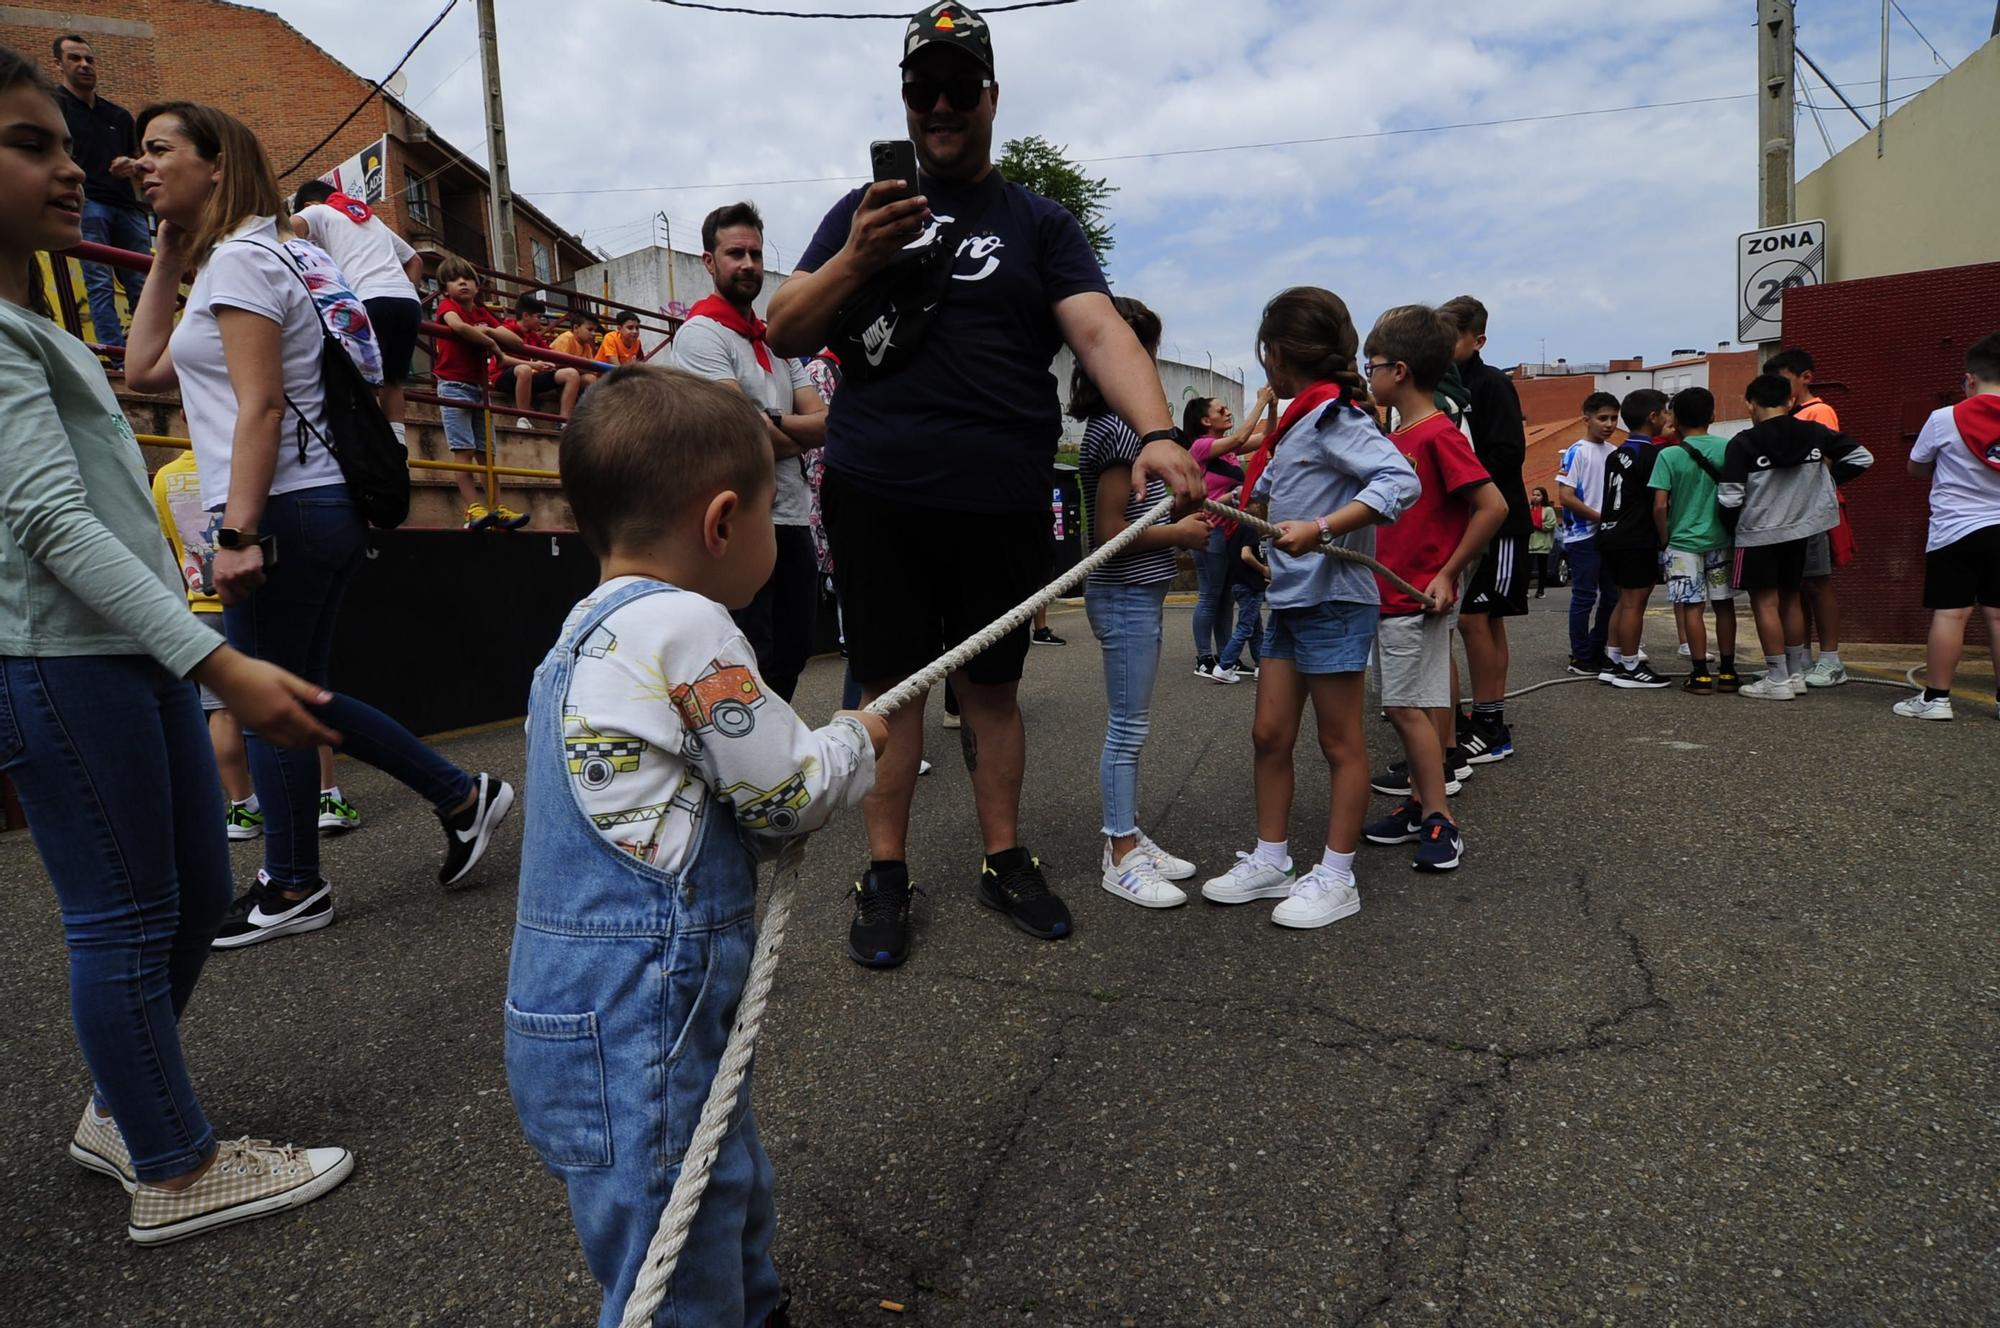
(1124, 599)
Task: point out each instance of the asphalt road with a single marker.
(1700, 1034)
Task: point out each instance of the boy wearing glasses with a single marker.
(1429, 545)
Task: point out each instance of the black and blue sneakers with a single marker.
(1439, 845)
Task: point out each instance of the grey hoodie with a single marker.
(1776, 483)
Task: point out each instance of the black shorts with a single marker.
(1633, 569)
(543, 382)
(1499, 585)
(914, 581)
(395, 323)
(1774, 566)
(1964, 572)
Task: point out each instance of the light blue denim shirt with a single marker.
(84, 569)
(1327, 460)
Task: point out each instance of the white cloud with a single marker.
(1601, 236)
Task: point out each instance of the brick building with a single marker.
(267, 73)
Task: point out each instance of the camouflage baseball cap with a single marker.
(951, 25)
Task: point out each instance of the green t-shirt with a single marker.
(1692, 523)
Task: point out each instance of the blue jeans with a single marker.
(1126, 622)
(463, 430)
(621, 993)
(290, 622)
(1587, 639)
(121, 228)
(111, 758)
(1249, 625)
(1211, 606)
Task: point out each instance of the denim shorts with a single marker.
(462, 430)
(1697, 578)
(1334, 637)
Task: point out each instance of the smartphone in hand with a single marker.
(895, 160)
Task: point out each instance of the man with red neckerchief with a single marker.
(723, 339)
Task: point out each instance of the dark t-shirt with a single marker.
(972, 423)
(1499, 437)
(99, 132)
(1628, 497)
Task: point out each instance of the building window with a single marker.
(418, 196)
(544, 266)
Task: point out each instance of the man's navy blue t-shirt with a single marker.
(972, 422)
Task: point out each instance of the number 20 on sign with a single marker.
(1770, 262)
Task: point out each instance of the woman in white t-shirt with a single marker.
(382, 269)
(246, 357)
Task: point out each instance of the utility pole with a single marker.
(1776, 43)
(500, 210)
(1882, 106)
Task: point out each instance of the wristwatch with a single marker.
(777, 419)
(1158, 435)
(229, 537)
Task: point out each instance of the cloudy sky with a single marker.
(1587, 237)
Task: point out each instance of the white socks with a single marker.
(1776, 668)
(1795, 659)
(249, 804)
(1340, 864)
(1274, 855)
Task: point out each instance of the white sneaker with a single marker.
(923, 767)
(1686, 651)
(1922, 707)
(1767, 689)
(1165, 863)
(1249, 879)
(523, 422)
(1136, 880)
(1318, 898)
(1224, 674)
(249, 1178)
(1825, 673)
(1798, 681)
(951, 721)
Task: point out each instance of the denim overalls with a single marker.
(620, 997)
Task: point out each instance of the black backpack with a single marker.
(374, 464)
(877, 332)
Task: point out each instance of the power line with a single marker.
(1935, 54)
(438, 87)
(373, 88)
(1188, 152)
(794, 13)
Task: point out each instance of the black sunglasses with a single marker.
(961, 94)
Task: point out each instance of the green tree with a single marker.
(1037, 164)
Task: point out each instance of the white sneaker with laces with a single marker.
(1767, 689)
(1319, 898)
(1249, 879)
(1136, 880)
(1825, 673)
(1165, 863)
(1798, 682)
(1686, 651)
(1922, 707)
(1223, 674)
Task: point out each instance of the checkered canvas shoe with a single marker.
(99, 1145)
(250, 1178)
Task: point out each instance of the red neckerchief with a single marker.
(1978, 421)
(725, 313)
(1304, 404)
(357, 211)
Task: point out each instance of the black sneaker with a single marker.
(1582, 668)
(1395, 781)
(1456, 767)
(1639, 675)
(1017, 888)
(1496, 743)
(467, 834)
(262, 913)
(1398, 827)
(879, 936)
(1439, 845)
(1474, 743)
(1044, 637)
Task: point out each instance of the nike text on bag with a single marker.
(877, 332)
(374, 464)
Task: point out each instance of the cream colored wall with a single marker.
(1933, 198)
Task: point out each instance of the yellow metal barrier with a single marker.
(416, 463)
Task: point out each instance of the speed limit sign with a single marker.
(1770, 262)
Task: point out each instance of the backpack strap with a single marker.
(305, 426)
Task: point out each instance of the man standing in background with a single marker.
(103, 142)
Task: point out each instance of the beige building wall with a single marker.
(1933, 198)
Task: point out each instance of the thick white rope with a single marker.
(664, 1253)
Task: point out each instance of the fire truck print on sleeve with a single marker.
(666, 721)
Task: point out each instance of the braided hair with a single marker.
(1308, 330)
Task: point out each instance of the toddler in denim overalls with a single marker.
(655, 760)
